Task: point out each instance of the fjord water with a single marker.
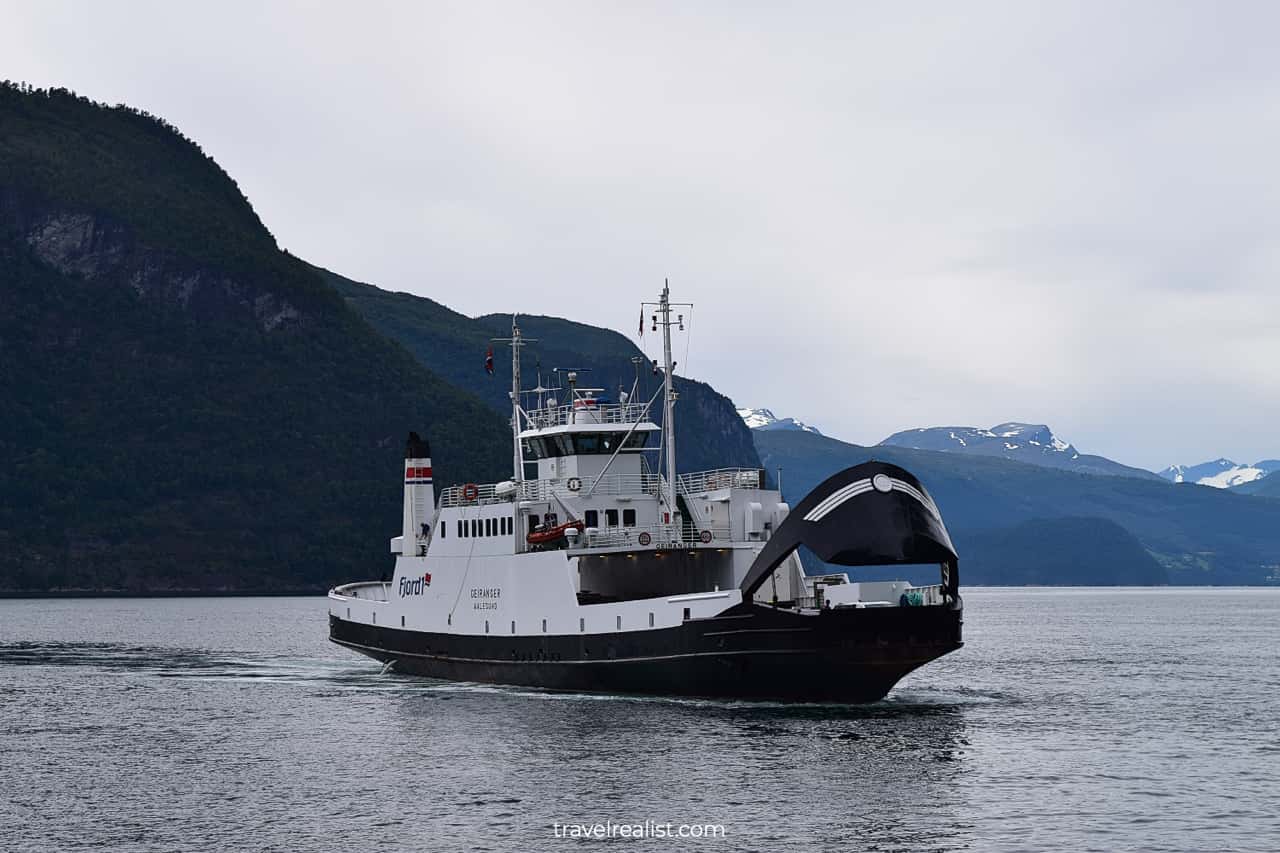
(1074, 719)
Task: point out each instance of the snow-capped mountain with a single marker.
(1035, 444)
(765, 419)
(1220, 473)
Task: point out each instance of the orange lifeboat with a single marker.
(552, 534)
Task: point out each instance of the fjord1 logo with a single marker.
(415, 586)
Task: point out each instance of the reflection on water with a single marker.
(1073, 721)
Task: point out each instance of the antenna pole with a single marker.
(517, 458)
(517, 341)
(669, 403)
(663, 318)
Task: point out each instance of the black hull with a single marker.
(748, 652)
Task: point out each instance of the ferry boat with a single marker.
(604, 572)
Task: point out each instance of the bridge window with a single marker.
(544, 626)
(636, 440)
(460, 531)
(619, 621)
(611, 517)
(650, 620)
(486, 626)
(488, 527)
(628, 518)
(591, 518)
(588, 443)
(475, 527)
(444, 529)
(513, 626)
(582, 623)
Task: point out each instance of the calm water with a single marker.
(1072, 720)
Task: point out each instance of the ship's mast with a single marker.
(670, 395)
(516, 341)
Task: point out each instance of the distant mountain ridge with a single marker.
(1220, 473)
(1020, 523)
(1035, 444)
(765, 419)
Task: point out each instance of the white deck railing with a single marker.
(485, 494)
(653, 536)
(610, 484)
(600, 413)
(916, 596)
(720, 478)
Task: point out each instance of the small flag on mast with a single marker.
(642, 321)
(488, 361)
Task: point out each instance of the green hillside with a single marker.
(1043, 551)
(709, 433)
(1198, 535)
(184, 406)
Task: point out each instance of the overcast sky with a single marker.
(956, 214)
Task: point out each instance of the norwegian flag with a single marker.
(488, 361)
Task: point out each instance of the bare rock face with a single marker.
(74, 244)
(95, 248)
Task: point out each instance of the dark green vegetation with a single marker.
(1089, 551)
(1019, 523)
(709, 433)
(182, 405)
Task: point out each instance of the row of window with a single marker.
(503, 526)
(582, 444)
(582, 623)
(592, 518)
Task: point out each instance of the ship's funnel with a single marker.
(419, 495)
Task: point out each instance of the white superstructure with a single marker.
(598, 538)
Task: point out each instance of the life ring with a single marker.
(705, 536)
(470, 492)
(574, 484)
(644, 538)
